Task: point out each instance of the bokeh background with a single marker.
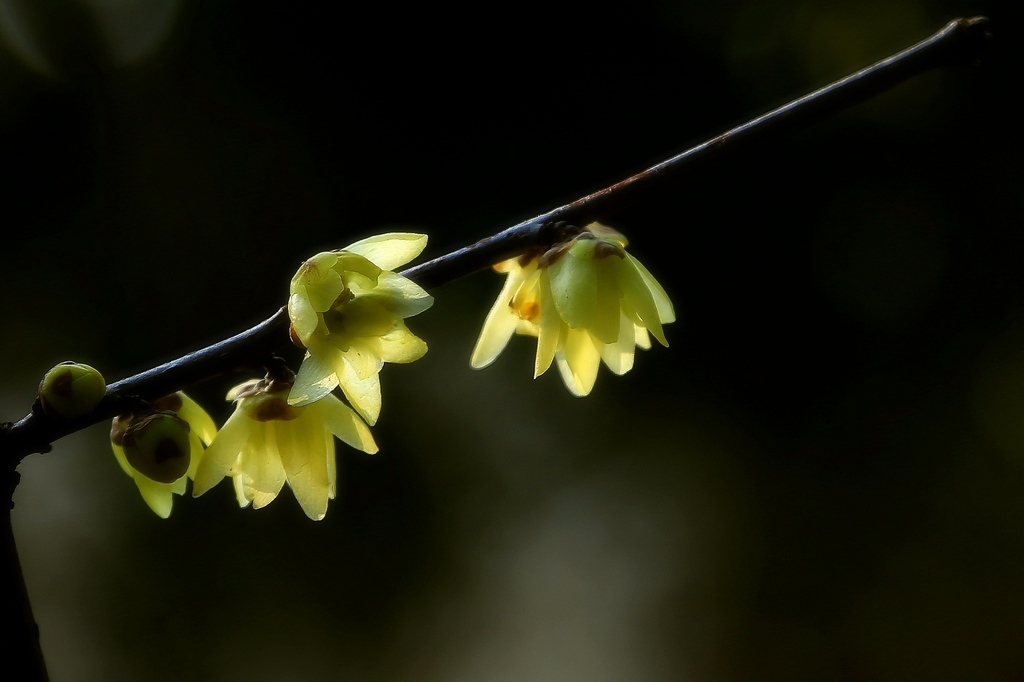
(821, 479)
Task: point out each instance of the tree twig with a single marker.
(962, 41)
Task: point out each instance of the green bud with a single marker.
(70, 390)
(157, 445)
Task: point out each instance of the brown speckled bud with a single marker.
(70, 390)
(157, 446)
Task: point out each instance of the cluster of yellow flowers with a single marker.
(586, 301)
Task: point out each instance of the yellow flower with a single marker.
(161, 448)
(347, 309)
(586, 300)
(267, 442)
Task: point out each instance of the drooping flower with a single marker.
(347, 309)
(161, 448)
(266, 442)
(586, 300)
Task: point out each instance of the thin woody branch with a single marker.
(961, 42)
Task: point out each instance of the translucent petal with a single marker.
(198, 420)
(358, 270)
(498, 326)
(121, 459)
(195, 454)
(641, 337)
(618, 357)
(363, 394)
(639, 297)
(304, 319)
(507, 265)
(366, 317)
(605, 326)
(567, 376)
(316, 377)
(322, 292)
(581, 359)
(399, 295)
(666, 311)
(401, 345)
(574, 285)
(157, 495)
(344, 423)
(222, 453)
(332, 465)
(304, 456)
(312, 270)
(550, 331)
(240, 493)
(260, 465)
(390, 250)
(363, 357)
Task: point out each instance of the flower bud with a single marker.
(157, 446)
(70, 390)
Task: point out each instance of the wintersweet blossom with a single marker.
(162, 447)
(586, 300)
(266, 442)
(347, 309)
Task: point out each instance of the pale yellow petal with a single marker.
(574, 285)
(639, 298)
(363, 357)
(666, 311)
(357, 270)
(316, 377)
(304, 456)
(401, 345)
(260, 466)
(388, 251)
(550, 330)
(605, 326)
(332, 465)
(196, 453)
(240, 493)
(364, 317)
(121, 459)
(323, 291)
(344, 423)
(222, 452)
(618, 357)
(313, 270)
(578, 362)
(498, 326)
(399, 295)
(198, 420)
(641, 337)
(304, 318)
(157, 495)
(362, 394)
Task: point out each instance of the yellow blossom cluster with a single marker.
(585, 299)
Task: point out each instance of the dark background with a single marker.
(821, 479)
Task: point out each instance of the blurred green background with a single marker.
(821, 479)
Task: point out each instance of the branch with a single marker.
(961, 42)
